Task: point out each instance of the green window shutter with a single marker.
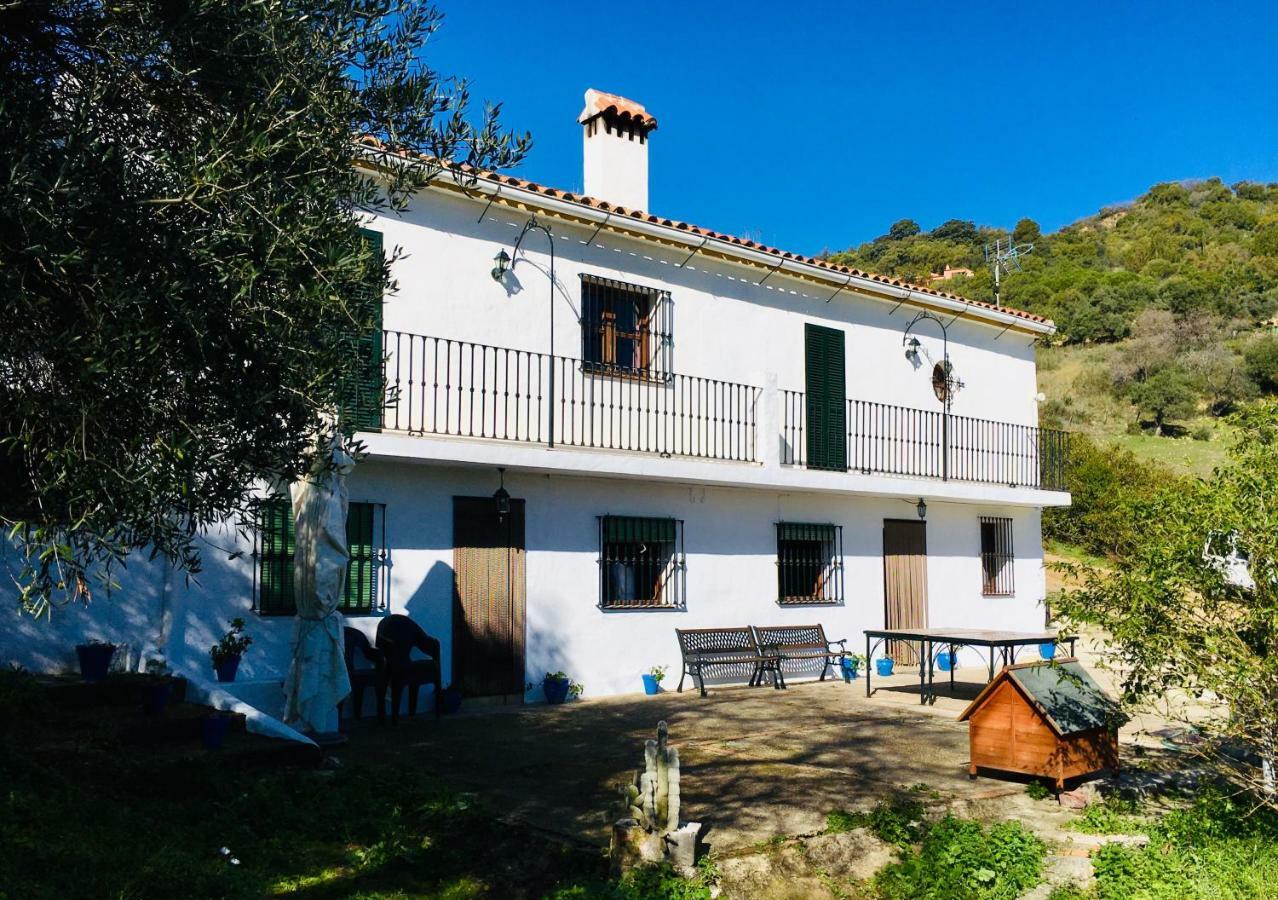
(363, 399)
(360, 592)
(275, 557)
(826, 379)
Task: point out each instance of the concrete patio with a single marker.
(757, 762)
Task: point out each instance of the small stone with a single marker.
(1080, 798)
(331, 763)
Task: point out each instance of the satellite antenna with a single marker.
(1004, 258)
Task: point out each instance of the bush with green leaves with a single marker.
(962, 858)
(1220, 846)
(1183, 622)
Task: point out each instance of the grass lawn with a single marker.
(89, 817)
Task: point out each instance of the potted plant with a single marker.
(226, 653)
(652, 679)
(159, 684)
(1047, 650)
(95, 659)
(558, 687)
(850, 665)
(884, 666)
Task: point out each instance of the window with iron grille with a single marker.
(997, 561)
(275, 545)
(625, 329)
(641, 563)
(809, 563)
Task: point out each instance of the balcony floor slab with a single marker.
(575, 461)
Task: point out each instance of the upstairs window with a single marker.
(363, 395)
(997, 561)
(625, 329)
(809, 563)
(276, 545)
(641, 563)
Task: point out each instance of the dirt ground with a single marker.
(757, 763)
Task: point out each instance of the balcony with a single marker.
(894, 440)
(441, 387)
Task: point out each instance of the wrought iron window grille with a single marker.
(627, 330)
(809, 564)
(998, 562)
(642, 564)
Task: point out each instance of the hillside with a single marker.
(1164, 307)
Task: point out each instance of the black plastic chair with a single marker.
(397, 637)
(362, 678)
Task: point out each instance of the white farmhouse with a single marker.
(632, 425)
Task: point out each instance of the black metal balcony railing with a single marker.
(449, 387)
(896, 440)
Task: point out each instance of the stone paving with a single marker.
(757, 762)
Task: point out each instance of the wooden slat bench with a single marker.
(703, 647)
(799, 642)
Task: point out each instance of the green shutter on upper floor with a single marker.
(826, 389)
(364, 397)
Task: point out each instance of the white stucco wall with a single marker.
(725, 325)
(731, 575)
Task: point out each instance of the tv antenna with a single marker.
(1004, 258)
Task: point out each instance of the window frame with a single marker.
(830, 536)
(671, 589)
(652, 336)
(998, 557)
(375, 558)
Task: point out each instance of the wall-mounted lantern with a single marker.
(502, 496)
(501, 265)
(922, 508)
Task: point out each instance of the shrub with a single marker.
(1261, 360)
(899, 820)
(960, 858)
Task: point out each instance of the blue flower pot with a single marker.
(556, 689)
(849, 668)
(95, 660)
(946, 660)
(1047, 650)
(884, 667)
(213, 731)
(651, 685)
(227, 668)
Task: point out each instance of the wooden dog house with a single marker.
(1046, 719)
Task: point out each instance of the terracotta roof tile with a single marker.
(599, 102)
(605, 206)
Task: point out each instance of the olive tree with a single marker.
(1191, 610)
(184, 278)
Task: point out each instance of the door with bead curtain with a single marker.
(904, 583)
(490, 599)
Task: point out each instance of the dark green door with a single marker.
(363, 397)
(826, 397)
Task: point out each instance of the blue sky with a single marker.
(816, 125)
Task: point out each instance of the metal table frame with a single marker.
(1006, 643)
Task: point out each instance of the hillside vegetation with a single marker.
(1164, 308)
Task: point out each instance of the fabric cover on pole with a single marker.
(317, 679)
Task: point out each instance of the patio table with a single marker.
(1006, 643)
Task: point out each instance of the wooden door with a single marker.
(904, 582)
(489, 605)
(825, 384)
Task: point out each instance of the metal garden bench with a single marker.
(799, 642)
(706, 647)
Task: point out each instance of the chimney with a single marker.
(615, 149)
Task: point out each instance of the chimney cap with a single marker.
(600, 103)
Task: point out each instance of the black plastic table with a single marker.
(1005, 643)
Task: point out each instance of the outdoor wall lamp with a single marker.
(501, 264)
(502, 496)
(922, 508)
(912, 349)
